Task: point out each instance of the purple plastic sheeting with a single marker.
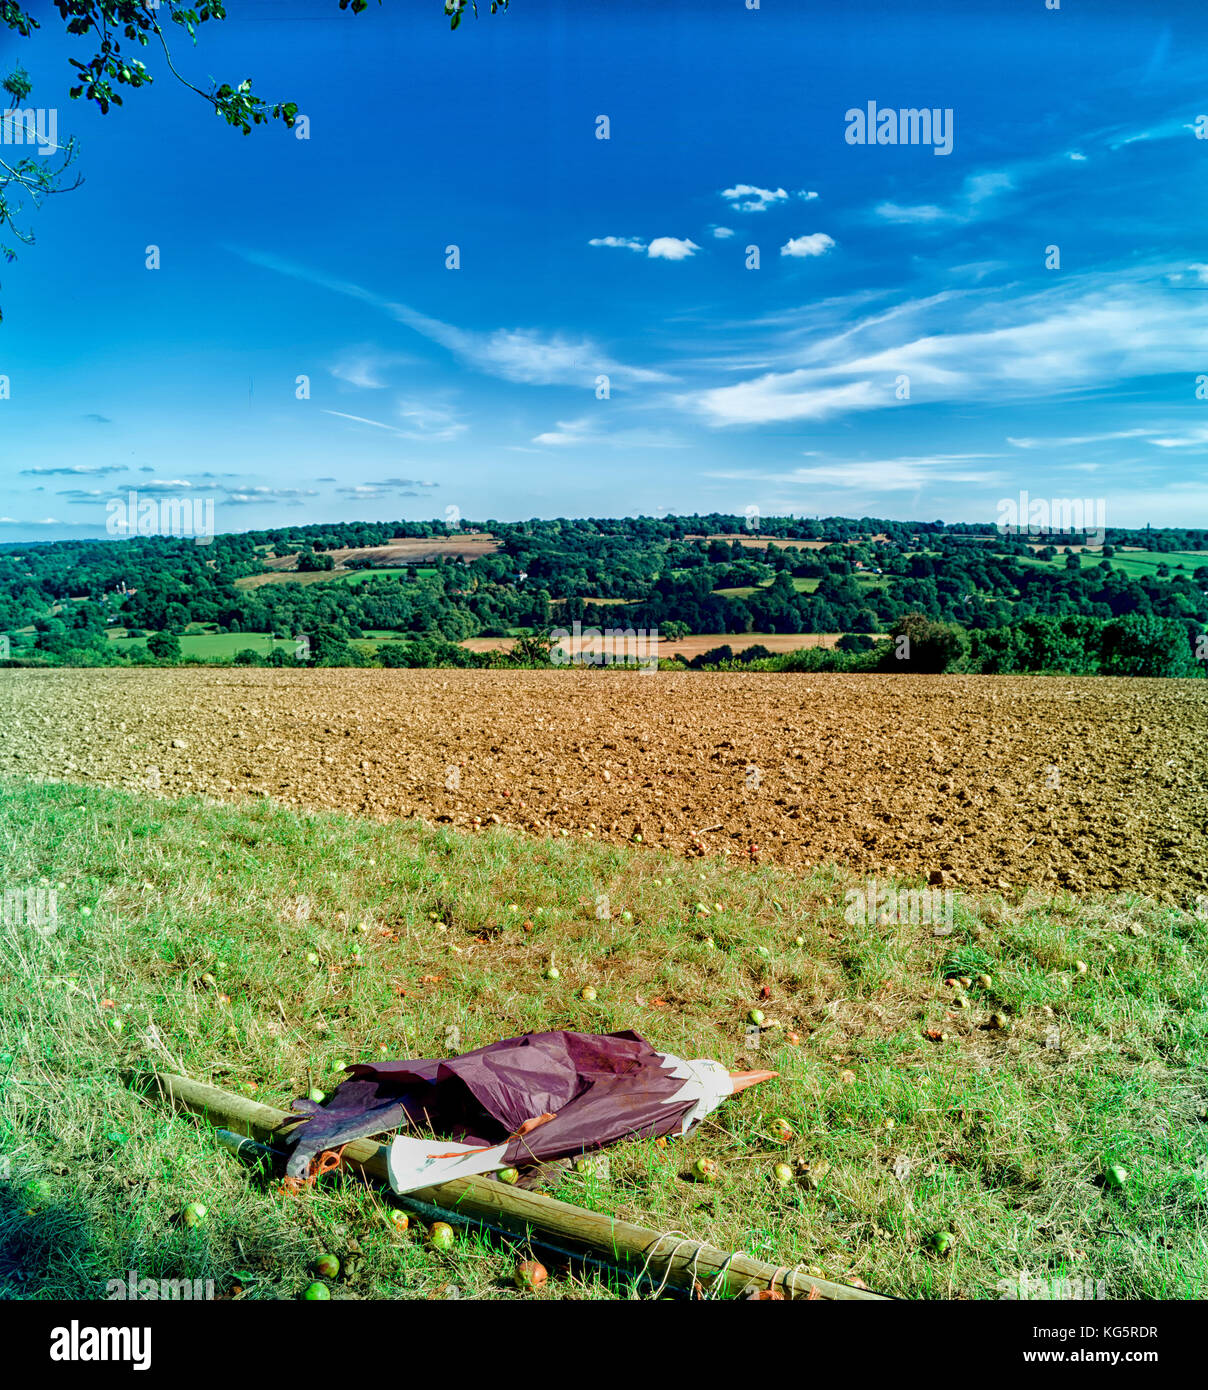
(600, 1087)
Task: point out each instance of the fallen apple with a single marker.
(587, 993)
(985, 981)
(194, 1214)
(941, 1242)
(317, 1096)
(783, 1174)
(782, 1131)
(440, 1236)
(755, 1016)
(793, 1038)
(327, 1265)
(799, 941)
(552, 973)
(704, 1168)
(1080, 967)
(312, 958)
(1114, 1175)
(595, 1165)
(316, 1293)
(511, 1176)
(399, 1220)
(531, 1275)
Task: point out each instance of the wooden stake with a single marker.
(683, 1263)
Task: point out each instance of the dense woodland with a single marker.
(970, 598)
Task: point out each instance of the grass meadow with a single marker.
(258, 948)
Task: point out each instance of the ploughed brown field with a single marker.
(410, 550)
(688, 647)
(989, 781)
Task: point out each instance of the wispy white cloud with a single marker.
(528, 356)
(1084, 334)
(430, 420)
(1195, 276)
(362, 420)
(385, 488)
(1077, 441)
(978, 193)
(1161, 437)
(585, 430)
(367, 367)
(75, 470)
(244, 497)
(876, 475)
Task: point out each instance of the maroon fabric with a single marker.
(599, 1087)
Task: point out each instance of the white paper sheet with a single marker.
(414, 1163)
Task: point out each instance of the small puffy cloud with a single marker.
(749, 197)
(721, 233)
(627, 243)
(815, 244)
(662, 248)
(670, 248)
(1078, 157)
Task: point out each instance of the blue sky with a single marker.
(777, 388)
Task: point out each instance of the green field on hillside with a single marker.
(1137, 564)
(212, 645)
(804, 586)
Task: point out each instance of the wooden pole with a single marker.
(526, 1214)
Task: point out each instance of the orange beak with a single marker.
(740, 1080)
